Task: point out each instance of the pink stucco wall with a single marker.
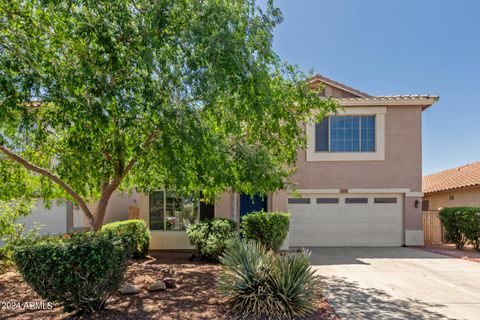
(413, 216)
(402, 167)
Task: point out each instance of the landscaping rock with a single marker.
(213, 301)
(154, 267)
(170, 271)
(129, 288)
(157, 286)
(170, 283)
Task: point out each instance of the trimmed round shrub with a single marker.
(211, 237)
(136, 230)
(269, 228)
(259, 284)
(78, 271)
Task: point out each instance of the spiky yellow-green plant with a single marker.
(259, 284)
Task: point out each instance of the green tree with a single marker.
(102, 95)
(10, 212)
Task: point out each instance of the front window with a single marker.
(345, 134)
(170, 211)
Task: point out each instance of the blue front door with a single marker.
(249, 204)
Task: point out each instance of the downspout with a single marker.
(235, 209)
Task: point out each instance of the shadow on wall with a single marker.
(350, 301)
(349, 255)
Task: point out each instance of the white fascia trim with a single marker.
(406, 191)
(415, 194)
(365, 110)
(378, 155)
(305, 191)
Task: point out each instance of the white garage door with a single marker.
(346, 220)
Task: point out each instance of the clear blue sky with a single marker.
(398, 47)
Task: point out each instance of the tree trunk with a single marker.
(101, 209)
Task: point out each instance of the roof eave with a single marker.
(472, 186)
(424, 102)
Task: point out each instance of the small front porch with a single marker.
(168, 221)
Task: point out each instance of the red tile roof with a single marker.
(456, 178)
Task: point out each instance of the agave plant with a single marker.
(259, 284)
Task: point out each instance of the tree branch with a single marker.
(116, 182)
(51, 176)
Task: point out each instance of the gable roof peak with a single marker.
(320, 78)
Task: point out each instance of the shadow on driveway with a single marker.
(351, 301)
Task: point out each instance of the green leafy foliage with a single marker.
(461, 224)
(136, 230)
(178, 94)
(261, 285)
(211, 237)
(10, 229)
(10, 212)
(471, 226)
(78, 271)
(269, 228)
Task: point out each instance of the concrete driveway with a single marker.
(398, 283)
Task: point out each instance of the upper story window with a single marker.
(345, 134)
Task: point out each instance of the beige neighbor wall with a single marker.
(463, 197)
(117, 209)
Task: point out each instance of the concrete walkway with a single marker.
(398, 283)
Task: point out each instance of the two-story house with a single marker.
(358, 183)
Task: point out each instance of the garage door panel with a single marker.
(358, 214)
(329, 241)
(326, 213)
(305, 241)
(356, 240)
(385, 214)
(329, 228)
(356, 227)
(347, 224)
(384, 227)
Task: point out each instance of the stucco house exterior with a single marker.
(452, 188)
(358, 183)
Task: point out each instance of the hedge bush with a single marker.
(470, 226)
(136, 230)
(5, 258)
(452, 222)
(211, 237)
(78, 271)
(461, 224)
(269, 228)
(259, 284)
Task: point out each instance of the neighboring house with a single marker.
(452, 188)
(360, 180)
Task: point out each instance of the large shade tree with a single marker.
(105, 95)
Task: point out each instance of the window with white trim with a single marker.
(346, 134)
(171, 211)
